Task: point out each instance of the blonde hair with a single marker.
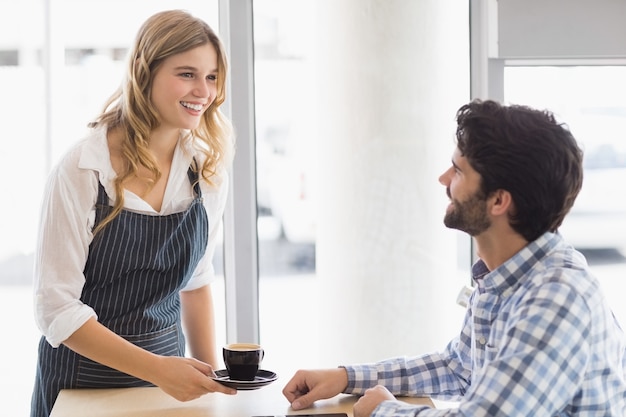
(131, 111)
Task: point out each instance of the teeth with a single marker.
(196, 107)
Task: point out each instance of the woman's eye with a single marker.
(212, 77)
(186, 75)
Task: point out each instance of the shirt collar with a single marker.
(508, 276)
(95, 154)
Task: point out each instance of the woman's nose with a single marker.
(202, 89)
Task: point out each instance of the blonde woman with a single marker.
(130, 220)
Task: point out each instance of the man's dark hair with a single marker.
(527, 153)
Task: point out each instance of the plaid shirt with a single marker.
(538, 339)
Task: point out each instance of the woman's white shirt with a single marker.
(67, 220)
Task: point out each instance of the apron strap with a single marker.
(193, 175)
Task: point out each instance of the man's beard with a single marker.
(468, 216)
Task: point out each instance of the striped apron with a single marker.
(135, 269)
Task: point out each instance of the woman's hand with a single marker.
(186, 379)
(182, 378)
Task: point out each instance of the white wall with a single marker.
(390, 77)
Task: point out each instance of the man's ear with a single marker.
(500, 202)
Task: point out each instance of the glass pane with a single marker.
(286, 167)
(592, 101)
(22, 170)
(88, 57)
(291, 94)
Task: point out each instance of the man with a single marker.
(539, 338)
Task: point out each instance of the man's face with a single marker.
(467, 211)
(469, 216)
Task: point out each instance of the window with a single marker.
(592, 101)
(347, 175)
(22, 169)
(287, 168)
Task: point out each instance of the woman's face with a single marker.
(184, 86)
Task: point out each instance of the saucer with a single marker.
(261, 379)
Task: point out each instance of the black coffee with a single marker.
(242, 361)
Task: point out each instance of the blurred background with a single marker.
(59, 61)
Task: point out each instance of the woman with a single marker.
(130, 220)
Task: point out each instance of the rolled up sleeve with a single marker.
(63, 243)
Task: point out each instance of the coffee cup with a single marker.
(242, 360)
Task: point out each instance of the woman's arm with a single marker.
(199, 324)
(66, 216)
(182, 378)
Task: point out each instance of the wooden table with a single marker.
(152, 402)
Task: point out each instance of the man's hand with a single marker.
(366, 405)
(306, 387)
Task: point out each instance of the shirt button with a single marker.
(482, 341)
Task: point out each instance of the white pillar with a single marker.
(391, 75)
